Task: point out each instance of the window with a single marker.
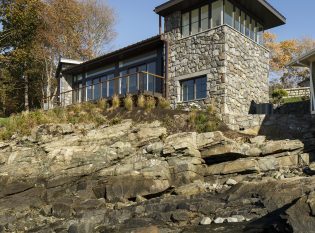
(185, 24)
(104, 86)
(217, 8)
(204, 17)
(194, 89)
(111, 85)
(96, 87)
(133, 84)
(123, 82)
(260, 31)
(247, 26)
(195, 21)
(242, 22)
(89, 90)
(237, 20)
(228, 13)
(252, 29)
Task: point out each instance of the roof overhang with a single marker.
(66, 61)
(268, 15)
(118, 55)
(304, 60)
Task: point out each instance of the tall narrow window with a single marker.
(96, 88)
(185, 24)
(104, 86)
(242, 22)
(111, 85)
(217, 10)
(247, 26)
(188, 90)
(201, 88)
(260, 31)
(228, 13)
(151, 69)
(204, 17)
(133, 87)
(195, 21)
(237, 19)
(252, 29)
(123, 82)
(89, 90)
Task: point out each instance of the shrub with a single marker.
(115, 102)
(141, 101)
(128, 101)
(102, 104)
(150, 103)
(278, 95)
(164, 103)
(192, 116)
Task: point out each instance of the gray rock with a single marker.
(205, 221)
(231, 182)
(219, 220)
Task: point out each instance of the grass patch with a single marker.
(293, 100)
(3, 121)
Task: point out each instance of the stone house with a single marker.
(210, 52)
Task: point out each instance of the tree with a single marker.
(36, 33)
(285, 51)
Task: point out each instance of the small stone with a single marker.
(140, 199)
(232, 219)
(206, 221)
(239, 218)
(231, 182)
(219, 220)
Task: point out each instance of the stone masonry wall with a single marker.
(236, 67)
(247, 72)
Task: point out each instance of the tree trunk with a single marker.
(26, 94)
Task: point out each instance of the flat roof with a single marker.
(117, 55)
(269, 16)
(304, 60)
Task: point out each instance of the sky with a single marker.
(137, 21)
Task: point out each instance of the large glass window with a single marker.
(260, 31)
(194, 89)
(217, 10)
(252, 29)
(185, 24)
(228, 13)
(195, 21)
(204, 17)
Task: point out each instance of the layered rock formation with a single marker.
(138, 178)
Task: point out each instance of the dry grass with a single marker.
(128, 102)
(141, 101)
(164, 103)
(150, 103)
(115, 102)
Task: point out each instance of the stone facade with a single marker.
(236, 67)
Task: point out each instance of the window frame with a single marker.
(194, 79)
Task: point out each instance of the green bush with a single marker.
(278, 95)
(203, 121)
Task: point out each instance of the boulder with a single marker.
(273, 147)
(127, 187)
(205, 221)
(237, 166)
(182, 142)
(191, 189)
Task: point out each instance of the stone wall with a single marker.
(247, 73)
(299, 92)
(236, 67)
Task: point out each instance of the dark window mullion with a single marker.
(190, 26)
(210, 15)
(199, 23)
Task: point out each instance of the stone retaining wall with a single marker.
(298, 92)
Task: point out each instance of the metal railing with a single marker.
(137, 83)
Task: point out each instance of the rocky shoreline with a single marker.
(138, 178)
